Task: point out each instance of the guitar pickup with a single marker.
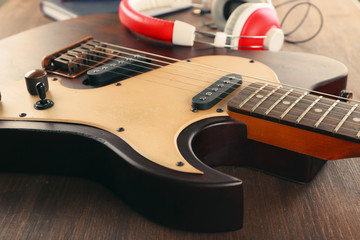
(117, 69)
(78, 58)
(216, 92)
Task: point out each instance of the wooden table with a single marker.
(57, 207)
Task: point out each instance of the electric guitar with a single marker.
(151, 120)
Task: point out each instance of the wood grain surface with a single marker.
(58, 207)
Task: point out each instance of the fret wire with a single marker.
(325, 114)
(277, 102)
(251, 96)
(342, 107)
(307, 110)
(323, 123)
(292, 105)
(334, 105)
(266, 97)
(344, 118)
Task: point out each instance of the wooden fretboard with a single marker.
(299, 109)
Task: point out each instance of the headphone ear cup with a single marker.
(217, 13)
(254, 19)
(259, 1)
(220, 10)
(235, 17)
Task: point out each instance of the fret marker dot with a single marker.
(356, 119)
(259, 96)
(318, 110)
(286, 102)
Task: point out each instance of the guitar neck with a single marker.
(298, 109)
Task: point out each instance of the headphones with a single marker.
(245, 24)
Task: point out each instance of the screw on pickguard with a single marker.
(217, 91)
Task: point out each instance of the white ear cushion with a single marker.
(239, 17)
(217, 11)
(259, 1)
(234, 17)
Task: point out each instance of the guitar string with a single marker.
(183, 61)
(115, 55)
(289, 114)
(213, 68)
(222, 70)
(302, 89)
(264, 109)
(169, 66)
(194, 79)
(342, 115)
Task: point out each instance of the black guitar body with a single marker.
(169, 197)
(211, 202)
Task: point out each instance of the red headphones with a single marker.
(251, 25)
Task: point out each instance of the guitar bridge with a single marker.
(78, 58)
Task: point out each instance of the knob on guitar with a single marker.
(37, 84)
(33, 77)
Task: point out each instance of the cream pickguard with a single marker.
(151, 108)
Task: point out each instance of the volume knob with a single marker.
(33, 77)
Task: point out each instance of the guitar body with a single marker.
(141, 138)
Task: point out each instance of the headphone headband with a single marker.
(177, 32)
(150, 27)
(181, 33)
